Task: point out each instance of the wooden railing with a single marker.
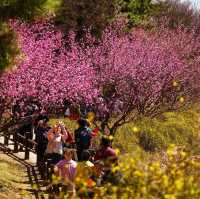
(9, 132)
(26, 143)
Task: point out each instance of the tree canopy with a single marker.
(121, 76)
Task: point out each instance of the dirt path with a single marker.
(14, 182)
(19, 179)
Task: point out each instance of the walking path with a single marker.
(14, 182)
(29, 185)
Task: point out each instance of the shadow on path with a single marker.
(32, 175)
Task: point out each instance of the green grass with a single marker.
(180, 128)
(52, 5)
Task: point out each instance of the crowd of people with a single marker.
(73, 161)
(70, 155)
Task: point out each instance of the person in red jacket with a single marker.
(106, 152)
(107, 157)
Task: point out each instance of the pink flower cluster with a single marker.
(119, 74)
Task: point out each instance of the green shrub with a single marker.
(180, 128)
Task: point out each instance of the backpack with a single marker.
(83, 138)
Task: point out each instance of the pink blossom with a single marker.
(138, 68)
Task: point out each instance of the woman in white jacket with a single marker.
(56, 137)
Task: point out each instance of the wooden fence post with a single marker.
(6, 138)
(46, 171)
(15, 139)
(27, 145)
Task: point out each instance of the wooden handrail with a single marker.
(25, 142)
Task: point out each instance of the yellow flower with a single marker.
(181, 100)
(167, 196)
(179, 184)
(34, 186)
(117, 151)
(138, 173)
(143, 189)
(175, 84)
(90, 117)
(114, 189)
(156, 165)
(151, 168)
(190, 180)
(170, 150)
(183, 154)
(110, 137)
(135, 129)
(165, 180)
(23, 193)
(116, 168)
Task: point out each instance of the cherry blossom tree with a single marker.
(121, 77)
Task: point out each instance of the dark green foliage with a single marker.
(151, 141)
(25, 9)
(81, 14)
(137, 11)
(7, 48)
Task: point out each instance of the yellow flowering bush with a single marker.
(175, 174)
(160, 174)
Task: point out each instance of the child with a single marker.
(65, 170)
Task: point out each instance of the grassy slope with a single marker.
(180, 128)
